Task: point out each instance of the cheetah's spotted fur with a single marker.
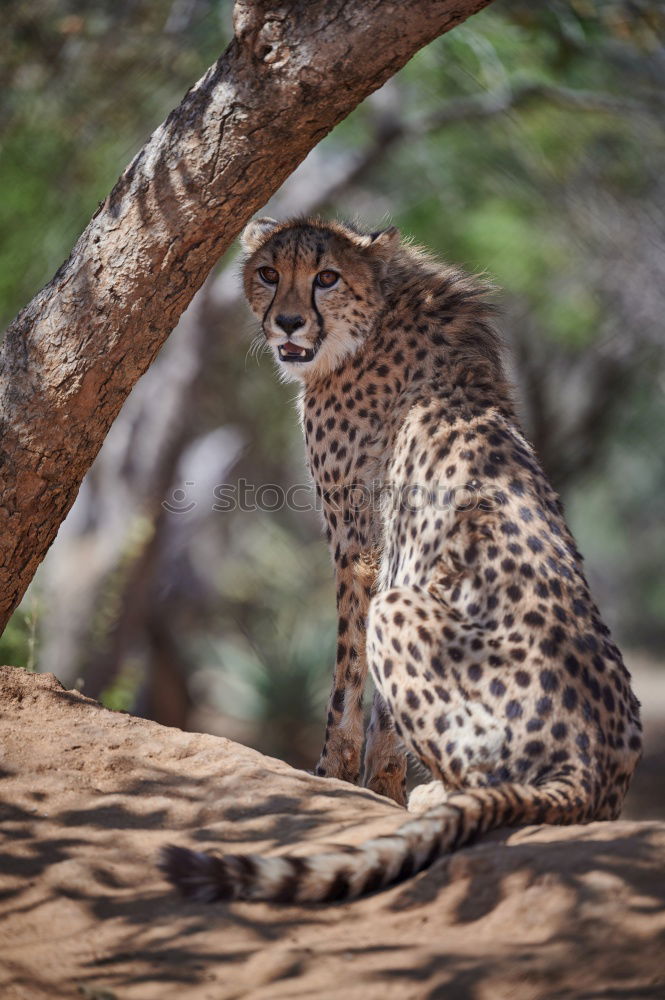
(489, 657)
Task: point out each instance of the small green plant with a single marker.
(18, 643)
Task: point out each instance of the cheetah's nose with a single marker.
(289, 323)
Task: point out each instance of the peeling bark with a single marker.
(70, 358)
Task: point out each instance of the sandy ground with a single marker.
(89, 796)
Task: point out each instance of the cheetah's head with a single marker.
(316, 287)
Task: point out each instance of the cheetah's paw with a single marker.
(427, 796)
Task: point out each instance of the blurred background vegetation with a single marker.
(528, 144)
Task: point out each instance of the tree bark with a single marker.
(292, 71)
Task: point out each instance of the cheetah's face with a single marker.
(316, 287)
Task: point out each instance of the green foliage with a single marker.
(18, 641)
(496, 194)
(81, 93)
(620, 516)
(276, 634)
(121, 695)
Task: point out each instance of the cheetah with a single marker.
(459, 585)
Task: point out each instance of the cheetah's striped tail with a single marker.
(352, 872)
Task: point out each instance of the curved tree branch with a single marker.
(294, 69)
(393, 129)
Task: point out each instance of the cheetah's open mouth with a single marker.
(291, 352)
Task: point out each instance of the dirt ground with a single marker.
(90, 795)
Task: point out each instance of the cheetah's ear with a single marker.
(257, 232)
(385, 242)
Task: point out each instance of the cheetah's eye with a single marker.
(326, 279)
(269, 275)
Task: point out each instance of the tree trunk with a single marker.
(292, 72)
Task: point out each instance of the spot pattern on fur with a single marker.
(459, 586)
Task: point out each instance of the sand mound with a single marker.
(90, 795)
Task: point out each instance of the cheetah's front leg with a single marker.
(340, 757)
(385, 759)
